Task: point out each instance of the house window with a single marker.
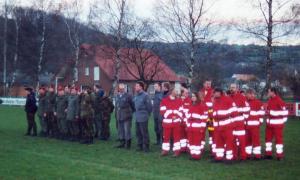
(96, 73)
(87, 71)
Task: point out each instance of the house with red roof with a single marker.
(97, 66)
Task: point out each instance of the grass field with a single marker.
(41, 158)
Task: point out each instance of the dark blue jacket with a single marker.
(30, 106)
(156, 104)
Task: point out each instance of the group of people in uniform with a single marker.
(233, 119)
(70, 114)
(181, 119)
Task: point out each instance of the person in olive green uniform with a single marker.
(87, 115)
(60, 112)
(42, 112)
(107, 108)
(72, 114)
(98, 109)
(52, 130)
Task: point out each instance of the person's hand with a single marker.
(55, 113)
(45, 114)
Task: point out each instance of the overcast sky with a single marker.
(223, 11)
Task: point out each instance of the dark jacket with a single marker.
(30, 106)
(73, 107)
(143, 106)
(42, 105)
(86, 106)
(124, 107)
(50, 102)
(60, 106)
(156, 104)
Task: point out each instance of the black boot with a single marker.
(122, 144)
(34, 129)
(140, 147)
(158, 139)
(28, 133)
(128, 144)
(146, 148)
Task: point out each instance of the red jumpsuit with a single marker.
(171, 123)
(276, 117)
(208, 101)
(253, 123)
(196, 125)
(239, 131)
(223, 111)
(183, 136)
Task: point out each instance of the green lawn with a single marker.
(41, 158)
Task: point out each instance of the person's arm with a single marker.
(148, 104)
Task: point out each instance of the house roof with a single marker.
(131, 60)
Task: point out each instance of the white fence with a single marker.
(13, 101)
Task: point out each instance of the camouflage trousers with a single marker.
(88, 130)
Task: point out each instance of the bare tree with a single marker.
(279, 19)
(112, 17)
(43, 6)
(6, 11)
(72, 11)
(139, 60)
(17, 18)
(187, 22)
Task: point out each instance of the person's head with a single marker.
(250, 94)
(207, 84)
(272, 92)
(60, 91)
(42, 91)
(184, 93)
(121, 88)
(139, 86)
(73, 91)
(201, 96)
(166, 86)
(218, 92)
(51, 88)
(67, 89)
(233, 88)
(157, 87)
(29, 90)
(173, 92)
(97, 87)
(195, 97)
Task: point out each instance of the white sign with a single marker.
(13, 101)
(297, 109)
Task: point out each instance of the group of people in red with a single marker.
(232, 118)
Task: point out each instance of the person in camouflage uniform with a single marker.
(72, 114)
(42, 112)
(52, 130)
(60, 112)
(107, 108)
(98, 109)
(87, 115)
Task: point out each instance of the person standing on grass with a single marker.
(169, 109)
(124, 111)
(99, 93)
(87, 116)
(30, 109)
(277, 114)
(72, 114)
(42, 112)
(253, 123)
(196, 123)
(156, 114)
(143, 109)
(60, 112)
(49, 115)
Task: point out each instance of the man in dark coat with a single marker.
(156, 112)
(30, 109)
(124, 112)
(143, 109)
